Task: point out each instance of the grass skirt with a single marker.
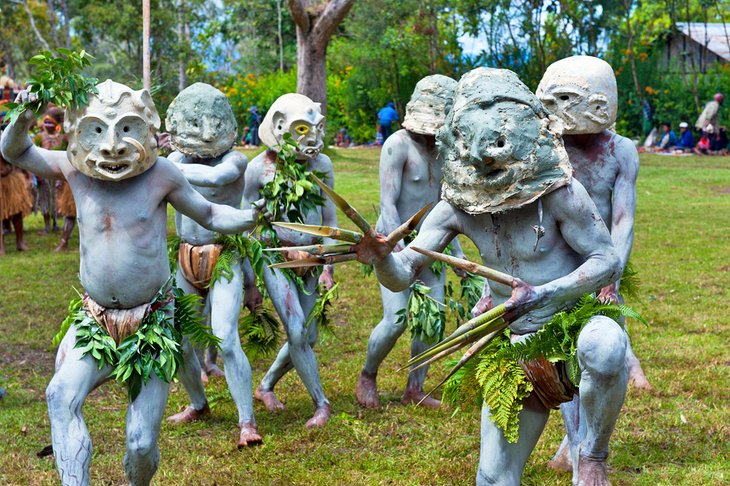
(65, 204)
(15, 195)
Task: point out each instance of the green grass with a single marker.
(676, 434)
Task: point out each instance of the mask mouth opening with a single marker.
(114, 169)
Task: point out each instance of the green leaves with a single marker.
(56, 79)
(260, 332)
(423, 315)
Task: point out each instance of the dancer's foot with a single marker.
(637, 378)
(214, 372)
(188, 415)
(63, 246)
(22, 246)
(416, 397)
(561, 462)
(367, 390)
(249, 435)
(320, 417)
(204, 377)
(592, 472)
(271, 403)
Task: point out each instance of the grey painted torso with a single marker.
(122, 229)
(229, 194)
(417, 170)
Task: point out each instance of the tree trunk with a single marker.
(278, 33)
(316, 21)
(183, 46)
(146, 77)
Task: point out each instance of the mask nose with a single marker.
(112, 147)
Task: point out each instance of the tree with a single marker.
(316, 21)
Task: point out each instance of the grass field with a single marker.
(679, 433)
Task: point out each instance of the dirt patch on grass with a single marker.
(721, 189)
(26, 358)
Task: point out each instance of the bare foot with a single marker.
(249, 435)
(63, 246)
(188, 415)
(214, 371)
(561, 462)
(22, 246)
(320, 417)
(204, 377)
(592, 472)
(416, 397)
(271, 403)
(367, 390)
(637, 378)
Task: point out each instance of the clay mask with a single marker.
(429, 104)
(299, 116)
(201, 122)
(501, 149)
(581, 90)
(112, 138)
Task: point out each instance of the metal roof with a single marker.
(716, 36)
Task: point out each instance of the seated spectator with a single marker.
(703, 146)
(667, 140)
(686, 139)
(343, 139)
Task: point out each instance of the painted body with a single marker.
(579, 90)
(292, 304)
(202, 130)
(121, 190)
(410, 178)
(571, 255)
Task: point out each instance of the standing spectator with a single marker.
(254, 126)
(667, 140)
(710, 113)
(718, 142)
(386, 116)
(686, 139)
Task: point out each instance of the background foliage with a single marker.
(380, 51)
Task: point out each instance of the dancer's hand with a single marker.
(609, 294)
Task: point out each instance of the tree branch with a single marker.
(299, 14)
(327, 22)
(34, 27)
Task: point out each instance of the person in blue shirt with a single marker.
(386, 116)
(686, 139)
(667, 140)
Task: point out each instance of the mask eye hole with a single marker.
(500, 142)
(125, 129)
(301, 129)
(564, 97)
(98, 129)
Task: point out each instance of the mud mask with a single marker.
(201, 122)
(501, 149)
(581, 91)
(300, 117)
(112, 138)
(429, 104)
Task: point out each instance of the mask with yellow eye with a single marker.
(300, 117)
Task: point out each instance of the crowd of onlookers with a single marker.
(712, 139)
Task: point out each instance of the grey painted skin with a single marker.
(123, 263)
(607, 165)
(575, 238)
(410, 178)
(293, 305)
(220, 180)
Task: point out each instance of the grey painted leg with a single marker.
(225, 303)
(74, 379)
(189, 374)
(500, 462)
(293, 307)
(604, 376)
(144, 415)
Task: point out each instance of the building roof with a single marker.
(716, 36)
